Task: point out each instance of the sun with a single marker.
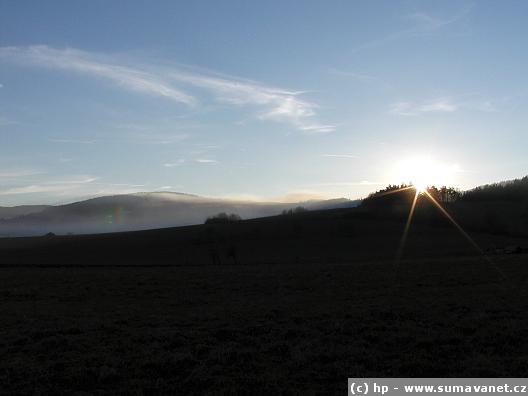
(420, 187)
(423, 172)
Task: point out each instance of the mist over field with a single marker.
(138, 212)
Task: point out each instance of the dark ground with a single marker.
(286, 305)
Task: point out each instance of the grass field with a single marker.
(297, 314)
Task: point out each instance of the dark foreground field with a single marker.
(258, 308)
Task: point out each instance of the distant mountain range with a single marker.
(139, 212)
(14, 211)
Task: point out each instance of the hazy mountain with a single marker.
(14, 211)
(143, 211)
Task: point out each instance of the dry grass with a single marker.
(258, 329)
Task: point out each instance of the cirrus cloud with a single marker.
(176, 84)
(440, 105)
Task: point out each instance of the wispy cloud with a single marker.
(62, 186)
(160, 133)
(183, 161)
(361, 77)
(469, 102)
(487, 106)
(32, 189)
(72, 186)
(73, 141)
(421, 23)
(81, 179)
(17, 173)
(87, 63)
(476, 101)
(427, 22)
(440, 105)
(349, 156)
(179, 162)
(160, 138)
(280, 105)
(173, 83)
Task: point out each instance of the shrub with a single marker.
(298, 209)
(222, 218)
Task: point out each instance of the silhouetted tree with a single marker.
(223, 218)
(389, 197)
(298, 209)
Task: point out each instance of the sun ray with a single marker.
(394, 191)
(407, 226)
(464, 234)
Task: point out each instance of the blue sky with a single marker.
(265, 100)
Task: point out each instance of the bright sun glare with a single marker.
(423, 172)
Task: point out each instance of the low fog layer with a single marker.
(138, 212)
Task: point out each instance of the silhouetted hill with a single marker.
(142, 211)
(500, 208)
(507, 191)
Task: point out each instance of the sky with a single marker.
(275, 100)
